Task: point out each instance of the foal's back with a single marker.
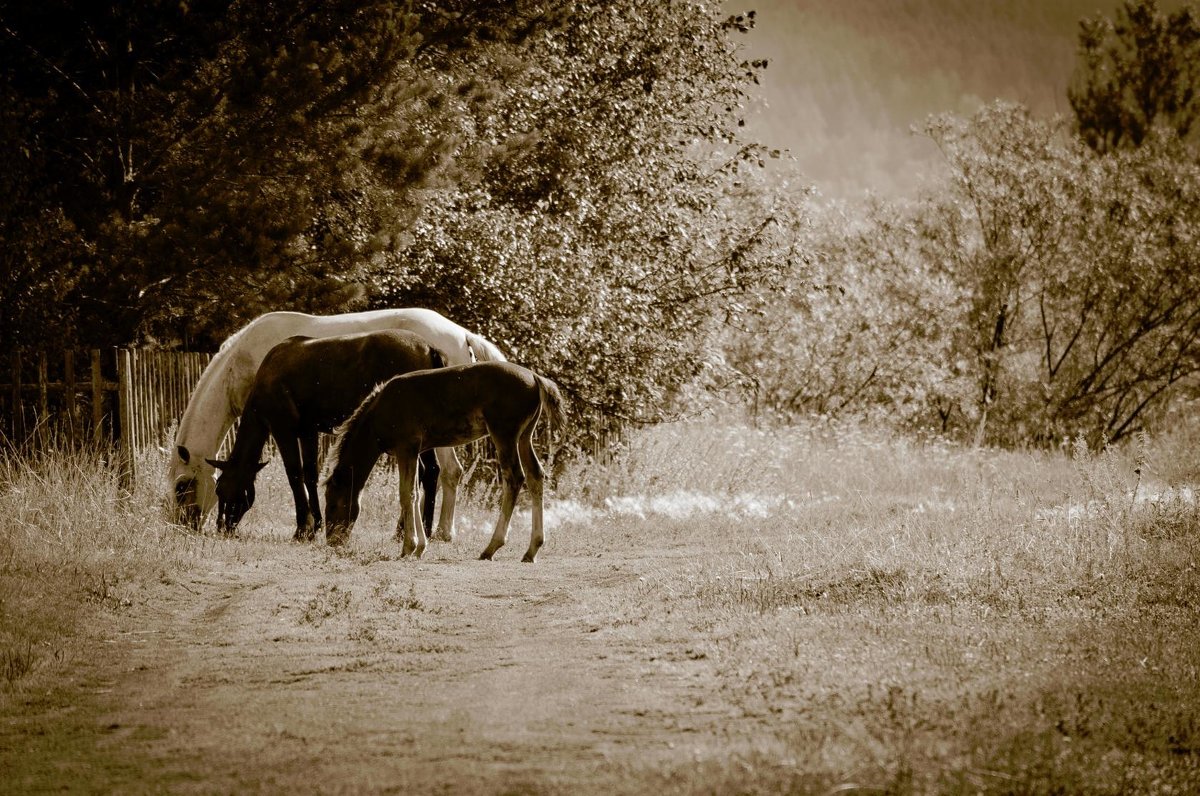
(319, 382)
(456, 405)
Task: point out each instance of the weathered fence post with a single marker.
(18, 427)
(69, 388)
(43, 377)
(128, 445)
(150, 393)
(97, 398)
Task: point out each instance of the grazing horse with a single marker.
(305, 386)
(452, 406)
(221, 394)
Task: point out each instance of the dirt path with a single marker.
(281, 667)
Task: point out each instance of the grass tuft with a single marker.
(71, 540)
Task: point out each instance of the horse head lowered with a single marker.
(235, 492)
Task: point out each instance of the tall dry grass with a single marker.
(72, 539)
(908, 616)
(914, 617)
(820, 508)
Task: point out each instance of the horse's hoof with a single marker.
(529, 558)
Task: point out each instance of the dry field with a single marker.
(718, 611)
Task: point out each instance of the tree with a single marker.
(611, 229)
(865, 330)
(1137, 71)
(196, 163)
(1043, 291)
(568, 178)
(1083, 312)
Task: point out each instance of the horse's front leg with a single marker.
(408, 530)
(448, 479)
(289, 451)
(511, 478)
(308, 453)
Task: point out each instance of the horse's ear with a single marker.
(260, 466)
(220, 465)
(183, 453)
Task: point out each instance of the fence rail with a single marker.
(55, 395)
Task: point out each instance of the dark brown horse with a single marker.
(305, 386)
(436, 408)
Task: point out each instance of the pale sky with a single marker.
(848, 78)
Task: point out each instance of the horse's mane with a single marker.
(350, 426)
(212, 386)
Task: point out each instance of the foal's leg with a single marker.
(448, 480)
(535, 478)
(511, 479)
(408, 529)
(308, 453)
(289, 451)
(427, 474)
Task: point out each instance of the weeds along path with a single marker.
(274, 666)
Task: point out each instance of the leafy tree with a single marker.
(194, 163)
(1041, 292)
(1136, 71)
(1083, 312)
(612, 227)
(566, 177)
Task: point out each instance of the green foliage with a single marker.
(1136, 71)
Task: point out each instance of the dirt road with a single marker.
(276, 667)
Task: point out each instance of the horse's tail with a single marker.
(436, 358)
(553, 403)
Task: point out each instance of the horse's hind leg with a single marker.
(308, 453)
(427, 474)
(448, 480)
(535, 478)
(408, 528)
(511, 479)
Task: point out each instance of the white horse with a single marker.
(221, 393)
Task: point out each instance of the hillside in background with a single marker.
(848, 80)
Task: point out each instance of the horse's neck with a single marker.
(251, 437)
(357, 453)
(215, 404)
(483, 350)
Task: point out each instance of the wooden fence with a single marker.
(130, 397)
(154, 387)
(71, 403)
